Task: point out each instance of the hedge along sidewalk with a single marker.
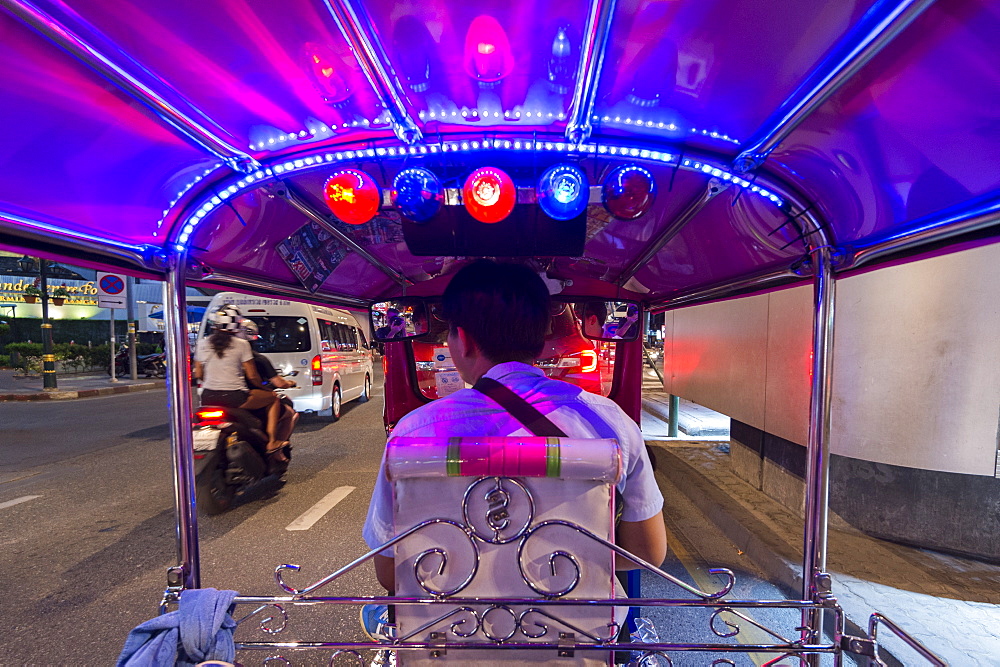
(16, 387)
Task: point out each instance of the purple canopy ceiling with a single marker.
(168, 125)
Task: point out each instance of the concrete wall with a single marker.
(917, 364)
(747, 358)
(916, 395)
(916, 376)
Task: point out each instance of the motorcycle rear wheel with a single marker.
(213, 493)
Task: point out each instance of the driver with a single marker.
(498, 315)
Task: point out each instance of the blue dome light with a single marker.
(418, 193)
(563, 192)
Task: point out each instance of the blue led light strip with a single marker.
(301, 164)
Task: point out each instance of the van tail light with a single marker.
(317, 371)
(588, 359)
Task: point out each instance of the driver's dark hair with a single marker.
(503, 307)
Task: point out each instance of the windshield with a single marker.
(567, 356)
(281, 334)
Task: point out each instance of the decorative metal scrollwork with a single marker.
(354, 654)
(424, 582)
(519, 622)
(455, 626)
(515, 622)
(504, 494)
(774, 662)
(281, 569)
(553, 558)
(717, 614)
(613, 628)
(265, 621)
(645, 660)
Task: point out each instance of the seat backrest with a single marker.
(489, 505)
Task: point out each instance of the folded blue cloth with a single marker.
(201, 629)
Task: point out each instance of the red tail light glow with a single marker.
(317, 371)
(588, 358)
(210, 414)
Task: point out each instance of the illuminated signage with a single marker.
(80, 293)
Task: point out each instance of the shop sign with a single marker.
(80, 293)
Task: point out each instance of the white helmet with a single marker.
(227, 318)
(249, 330)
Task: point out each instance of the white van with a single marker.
(323, 349)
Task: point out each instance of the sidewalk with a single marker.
(16, 387)
(950, 604)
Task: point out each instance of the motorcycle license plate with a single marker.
(205, 440)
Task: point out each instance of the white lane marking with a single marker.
(17, 501)
(316, 512)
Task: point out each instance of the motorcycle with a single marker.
(150, 365)
(229, 460)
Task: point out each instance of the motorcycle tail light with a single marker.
(210, 414)
(317, 371)
(588, 358)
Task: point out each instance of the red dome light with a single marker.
(629, 192)
(488, 56)
(352, 196)
(489, 194)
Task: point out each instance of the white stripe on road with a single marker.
(316, 512)
(17, 501)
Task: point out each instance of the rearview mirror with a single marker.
(398, 319)
(608, 320)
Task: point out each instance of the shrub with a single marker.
(4, 361)
(25, 349)
(74, 358)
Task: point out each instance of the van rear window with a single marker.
(282, 334)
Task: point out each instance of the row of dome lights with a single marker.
(323, 128)
(310, 162)
(489, 194)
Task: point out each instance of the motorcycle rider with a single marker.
(288, 416)
(224, 364)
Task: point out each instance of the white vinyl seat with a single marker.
(493, 510)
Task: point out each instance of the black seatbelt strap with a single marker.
(533, 420)
(520, 409)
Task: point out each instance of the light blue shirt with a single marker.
(580, 414)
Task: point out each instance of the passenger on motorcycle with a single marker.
(498, 315)
(288, 416)
(224, 364)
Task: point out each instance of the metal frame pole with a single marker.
(815, 582)
(579, 125)
(188, 572)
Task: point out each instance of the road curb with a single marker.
(688, 424)
(83, 393)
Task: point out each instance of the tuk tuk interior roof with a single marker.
(137, 127)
